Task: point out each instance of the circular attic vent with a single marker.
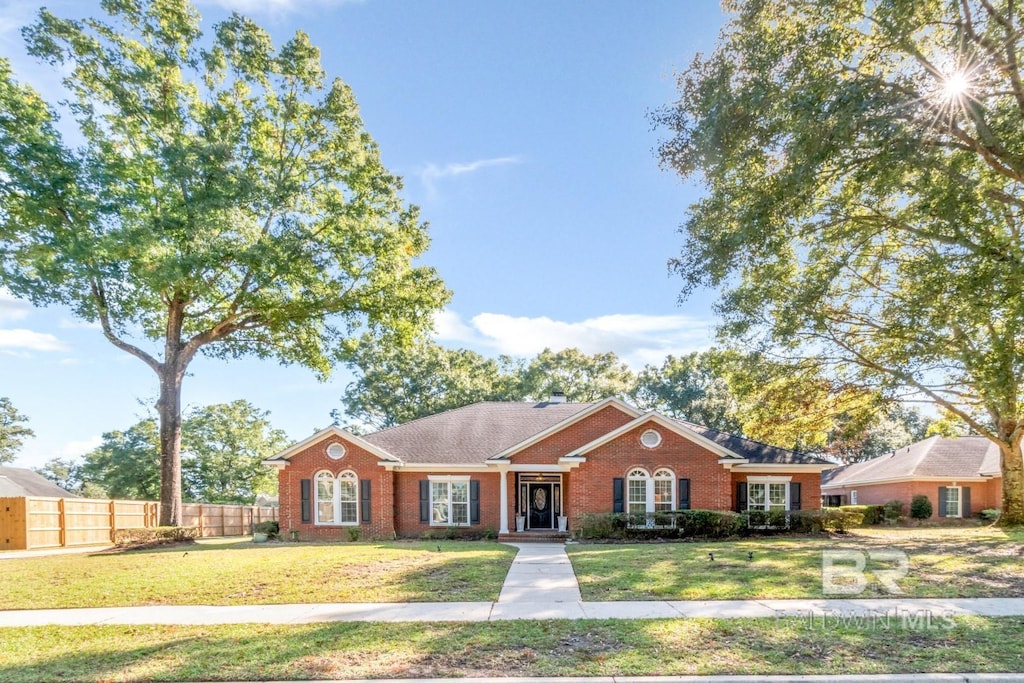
(335, 451)
(650, 439)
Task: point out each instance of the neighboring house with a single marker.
(17, 482)
(960, 476)
(484, 465)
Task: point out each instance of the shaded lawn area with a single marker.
(242, 573)
(518, 648)
(944, 563)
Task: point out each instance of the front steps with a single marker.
(534, 537)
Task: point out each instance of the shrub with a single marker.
(920, 507)
(990, 514)
(353, 533)
(272, 529)
(155, 535)
(708, 524)
(596, 525)
(869, 515)
(892, 511)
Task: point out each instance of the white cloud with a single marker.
(74, 449)
(637, 339)
(431, 173)
(12, 308)
(33, 341)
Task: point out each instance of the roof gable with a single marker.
(475, 433)
(17, 482)
(965, 457)
(338, 432)
(668, 423)
(592, 409)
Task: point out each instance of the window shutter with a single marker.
(943, 500)
(424, 501)
(364, 501)
(474, 501)
(618, 502)
(306, 488)
(794, 495)
(684, 495)
(965, 501)
(741, 496)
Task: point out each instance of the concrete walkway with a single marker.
(540, 585)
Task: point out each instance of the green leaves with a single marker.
(13, 431)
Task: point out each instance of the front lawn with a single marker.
(944, 563)
(231, 572)
(517, 648)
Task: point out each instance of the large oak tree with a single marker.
(215, 195)
(864, 162)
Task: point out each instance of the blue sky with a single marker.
(520, 129)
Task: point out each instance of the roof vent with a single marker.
(557, 397)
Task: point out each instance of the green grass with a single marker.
(242, 573)
(526, 648)
(944, 563)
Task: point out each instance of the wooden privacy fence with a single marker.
(27, 523)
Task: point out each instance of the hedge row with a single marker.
(160, 534)
(713, 524)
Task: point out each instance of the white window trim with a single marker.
(959, 501)
(766, 481)
(853, 496)
(450, 479)
(335, 498)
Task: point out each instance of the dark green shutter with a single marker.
(794, 495)
(306, 487)
(684, 495)
(741, 496)
(965, 501)
(364, 501)
(474, 501)
(424, 501)
(943, 500)
(618, 498)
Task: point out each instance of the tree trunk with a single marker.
(1013, 484)
(169, 412)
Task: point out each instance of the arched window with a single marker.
(664, 490)
(337, 498)
(638, 496)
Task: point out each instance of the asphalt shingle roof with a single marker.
(958, 458)
(754, 451)
(16, 482)
(472, 434)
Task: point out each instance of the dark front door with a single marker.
(541, 501)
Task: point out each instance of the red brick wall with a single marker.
(306, 463)
(549, 450)
(407, 511)
(984, 495)
(591, 489)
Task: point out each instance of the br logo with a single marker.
(845, 572)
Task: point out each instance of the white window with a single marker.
(337, 498)
(646, 494)
(853, 497)
(637, 483)
(953, 501)
(768, 495)
(664, 491)
(449, 501)
(651, 438)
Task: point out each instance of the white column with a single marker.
(503, 513)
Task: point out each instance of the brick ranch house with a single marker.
(961, 477)
(538, 466)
